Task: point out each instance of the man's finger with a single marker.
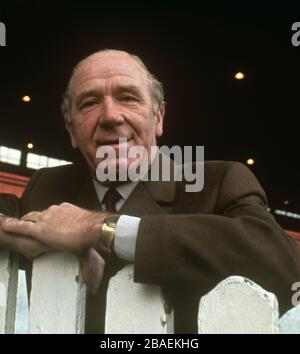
(21, 227)
(92, 269)
(30, 247)
(32, 216)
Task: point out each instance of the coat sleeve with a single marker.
(25, 202)
(10, 205)
(240, 238)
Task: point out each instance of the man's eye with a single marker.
(127, 98)
(88, 104)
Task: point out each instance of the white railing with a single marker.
(8, 291)
(57, 303)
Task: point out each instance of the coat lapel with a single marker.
(150, 198)
(87, 197)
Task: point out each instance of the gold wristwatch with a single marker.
(108, 232)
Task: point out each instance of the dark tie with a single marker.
(111, 197)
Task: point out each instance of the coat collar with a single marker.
(148, 197)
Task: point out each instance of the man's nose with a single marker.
(110, 113)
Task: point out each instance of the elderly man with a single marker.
(184, 242)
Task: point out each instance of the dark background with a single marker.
(194, 49)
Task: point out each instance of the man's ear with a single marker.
(70, 129)
(160, 119)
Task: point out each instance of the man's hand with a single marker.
(91, 263)
(62, 227)
(27, 246)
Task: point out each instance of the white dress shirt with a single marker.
(127, 226)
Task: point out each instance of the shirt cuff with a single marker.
(125, 237)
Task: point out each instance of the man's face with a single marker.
(111, 100)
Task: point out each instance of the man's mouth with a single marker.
(113, 142)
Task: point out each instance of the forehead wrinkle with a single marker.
(118, 65)
(93, 85)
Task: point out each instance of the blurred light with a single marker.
(30, 146)
(250, 162)
(11, 156)
(287, 213)
(286, 202)
(239, 76)
(35, 161)
(26, 99)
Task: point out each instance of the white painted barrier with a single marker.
(135, 308)
(8, 291)
(58, 296)
(21, 321)
(290, 322)
(237, 305)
